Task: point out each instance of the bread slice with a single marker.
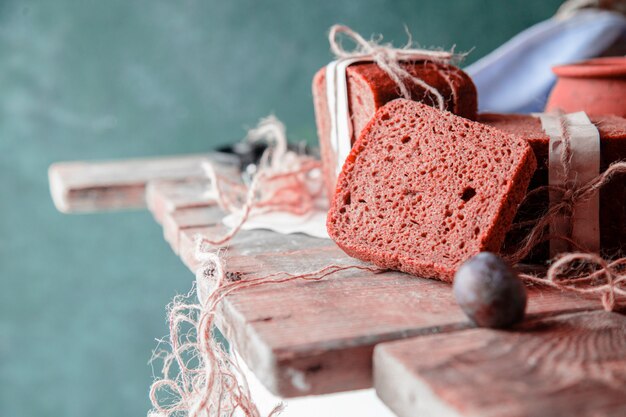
(423, 190)
(612, 131)
(370, 88)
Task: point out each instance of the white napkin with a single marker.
(313, 224)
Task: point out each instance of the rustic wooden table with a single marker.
(402, 334)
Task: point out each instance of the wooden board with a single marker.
(166, 196)
(318, 337)
(114, 185)
(568, 365)
(178, 221)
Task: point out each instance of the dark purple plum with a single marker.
(490, 292)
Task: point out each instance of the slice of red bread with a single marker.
(423, 190)
(612, 131)
(370, 88)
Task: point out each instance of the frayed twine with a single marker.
(389, 58)
(587, 274)
(284, 181)
(580, 272)
(200, 378)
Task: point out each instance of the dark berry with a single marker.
(489, 291)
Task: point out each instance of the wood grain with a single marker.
(567, 365)
(166, 196)
(318, 337)
(283, 248)
(314, 338)
(115, 185)
(175, 222)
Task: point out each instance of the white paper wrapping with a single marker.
(313, 224)
(339, 109)
(584, 166)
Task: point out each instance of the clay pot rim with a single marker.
(612, 66)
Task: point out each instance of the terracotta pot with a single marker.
(596, 86)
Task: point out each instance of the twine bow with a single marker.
(389, 58)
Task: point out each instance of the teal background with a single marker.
(83, 297)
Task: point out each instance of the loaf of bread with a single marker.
(612, 131)
(369, 88)
(423, 190)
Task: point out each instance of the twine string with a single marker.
(284, 181)
(215, 385)
(581, 272)
(570, 197)
(199, 378)
(389, 58)
(588, 274)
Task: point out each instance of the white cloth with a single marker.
(517, 77)
(313, 224)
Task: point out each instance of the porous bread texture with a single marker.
(370, 88)
(612, 130)
(423, 190)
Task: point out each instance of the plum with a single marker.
(490, 292)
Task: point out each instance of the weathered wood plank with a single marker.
(318, 337)
(312, 338)
(166, 196)
(257, 242)
(189, 218)
(304, 338)
(567, 365)
(113, 185)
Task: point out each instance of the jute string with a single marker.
(284, 181)
(389, 59)
(580, 272)
(199, 378)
